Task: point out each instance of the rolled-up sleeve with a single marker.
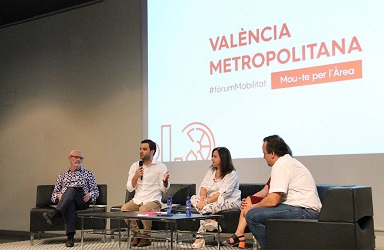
(161, 176)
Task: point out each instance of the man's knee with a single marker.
(130, 206)
(70, 191)
(251, 216)
(247, 217)
(150, 206)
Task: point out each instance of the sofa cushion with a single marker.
(179, 193)
(248, 189)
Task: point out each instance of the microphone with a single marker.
(141, 165)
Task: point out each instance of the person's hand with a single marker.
(201, 204)
(139, 172)
(243, 203)
(245, 208)
(166, 176)
(87, 196)
(59, 196)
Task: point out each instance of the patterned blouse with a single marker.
(80, 178)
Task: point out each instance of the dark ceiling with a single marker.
(16, 11)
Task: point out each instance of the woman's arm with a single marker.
(203, 193)
(214, 197)
(205, 184)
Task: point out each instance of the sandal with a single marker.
(236, 241)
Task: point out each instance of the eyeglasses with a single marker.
(77, 157)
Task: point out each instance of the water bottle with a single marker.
(169, 204)
(188, 207)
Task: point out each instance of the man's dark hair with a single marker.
(277, 145)
(225, 159)
(152, 145)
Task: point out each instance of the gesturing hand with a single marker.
(166, 176)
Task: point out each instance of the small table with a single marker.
(136, 215)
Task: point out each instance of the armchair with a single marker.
(44, 204)
(345, 222)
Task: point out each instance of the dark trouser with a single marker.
(70, 202)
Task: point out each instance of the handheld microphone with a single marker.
(141, 165)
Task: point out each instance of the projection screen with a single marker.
(229, 73)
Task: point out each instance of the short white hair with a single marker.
(75, 150)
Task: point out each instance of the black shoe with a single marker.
(50, 216)
(70, 242)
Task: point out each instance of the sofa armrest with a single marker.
(43, 195)
(312, 234)
(308, 234)
(103, 191)
(99, 206)
(175, 208)
(116, 208)
(347, 204)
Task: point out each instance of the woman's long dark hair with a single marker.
(225, 159)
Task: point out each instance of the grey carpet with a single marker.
(92, 242)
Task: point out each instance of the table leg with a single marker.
(119, 236)
(171, 231)
(218, 235)
(129, 235)
(175, 230)
(82, 232)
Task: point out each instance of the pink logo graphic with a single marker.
(199, 138)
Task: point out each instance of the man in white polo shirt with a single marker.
(292, 193)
